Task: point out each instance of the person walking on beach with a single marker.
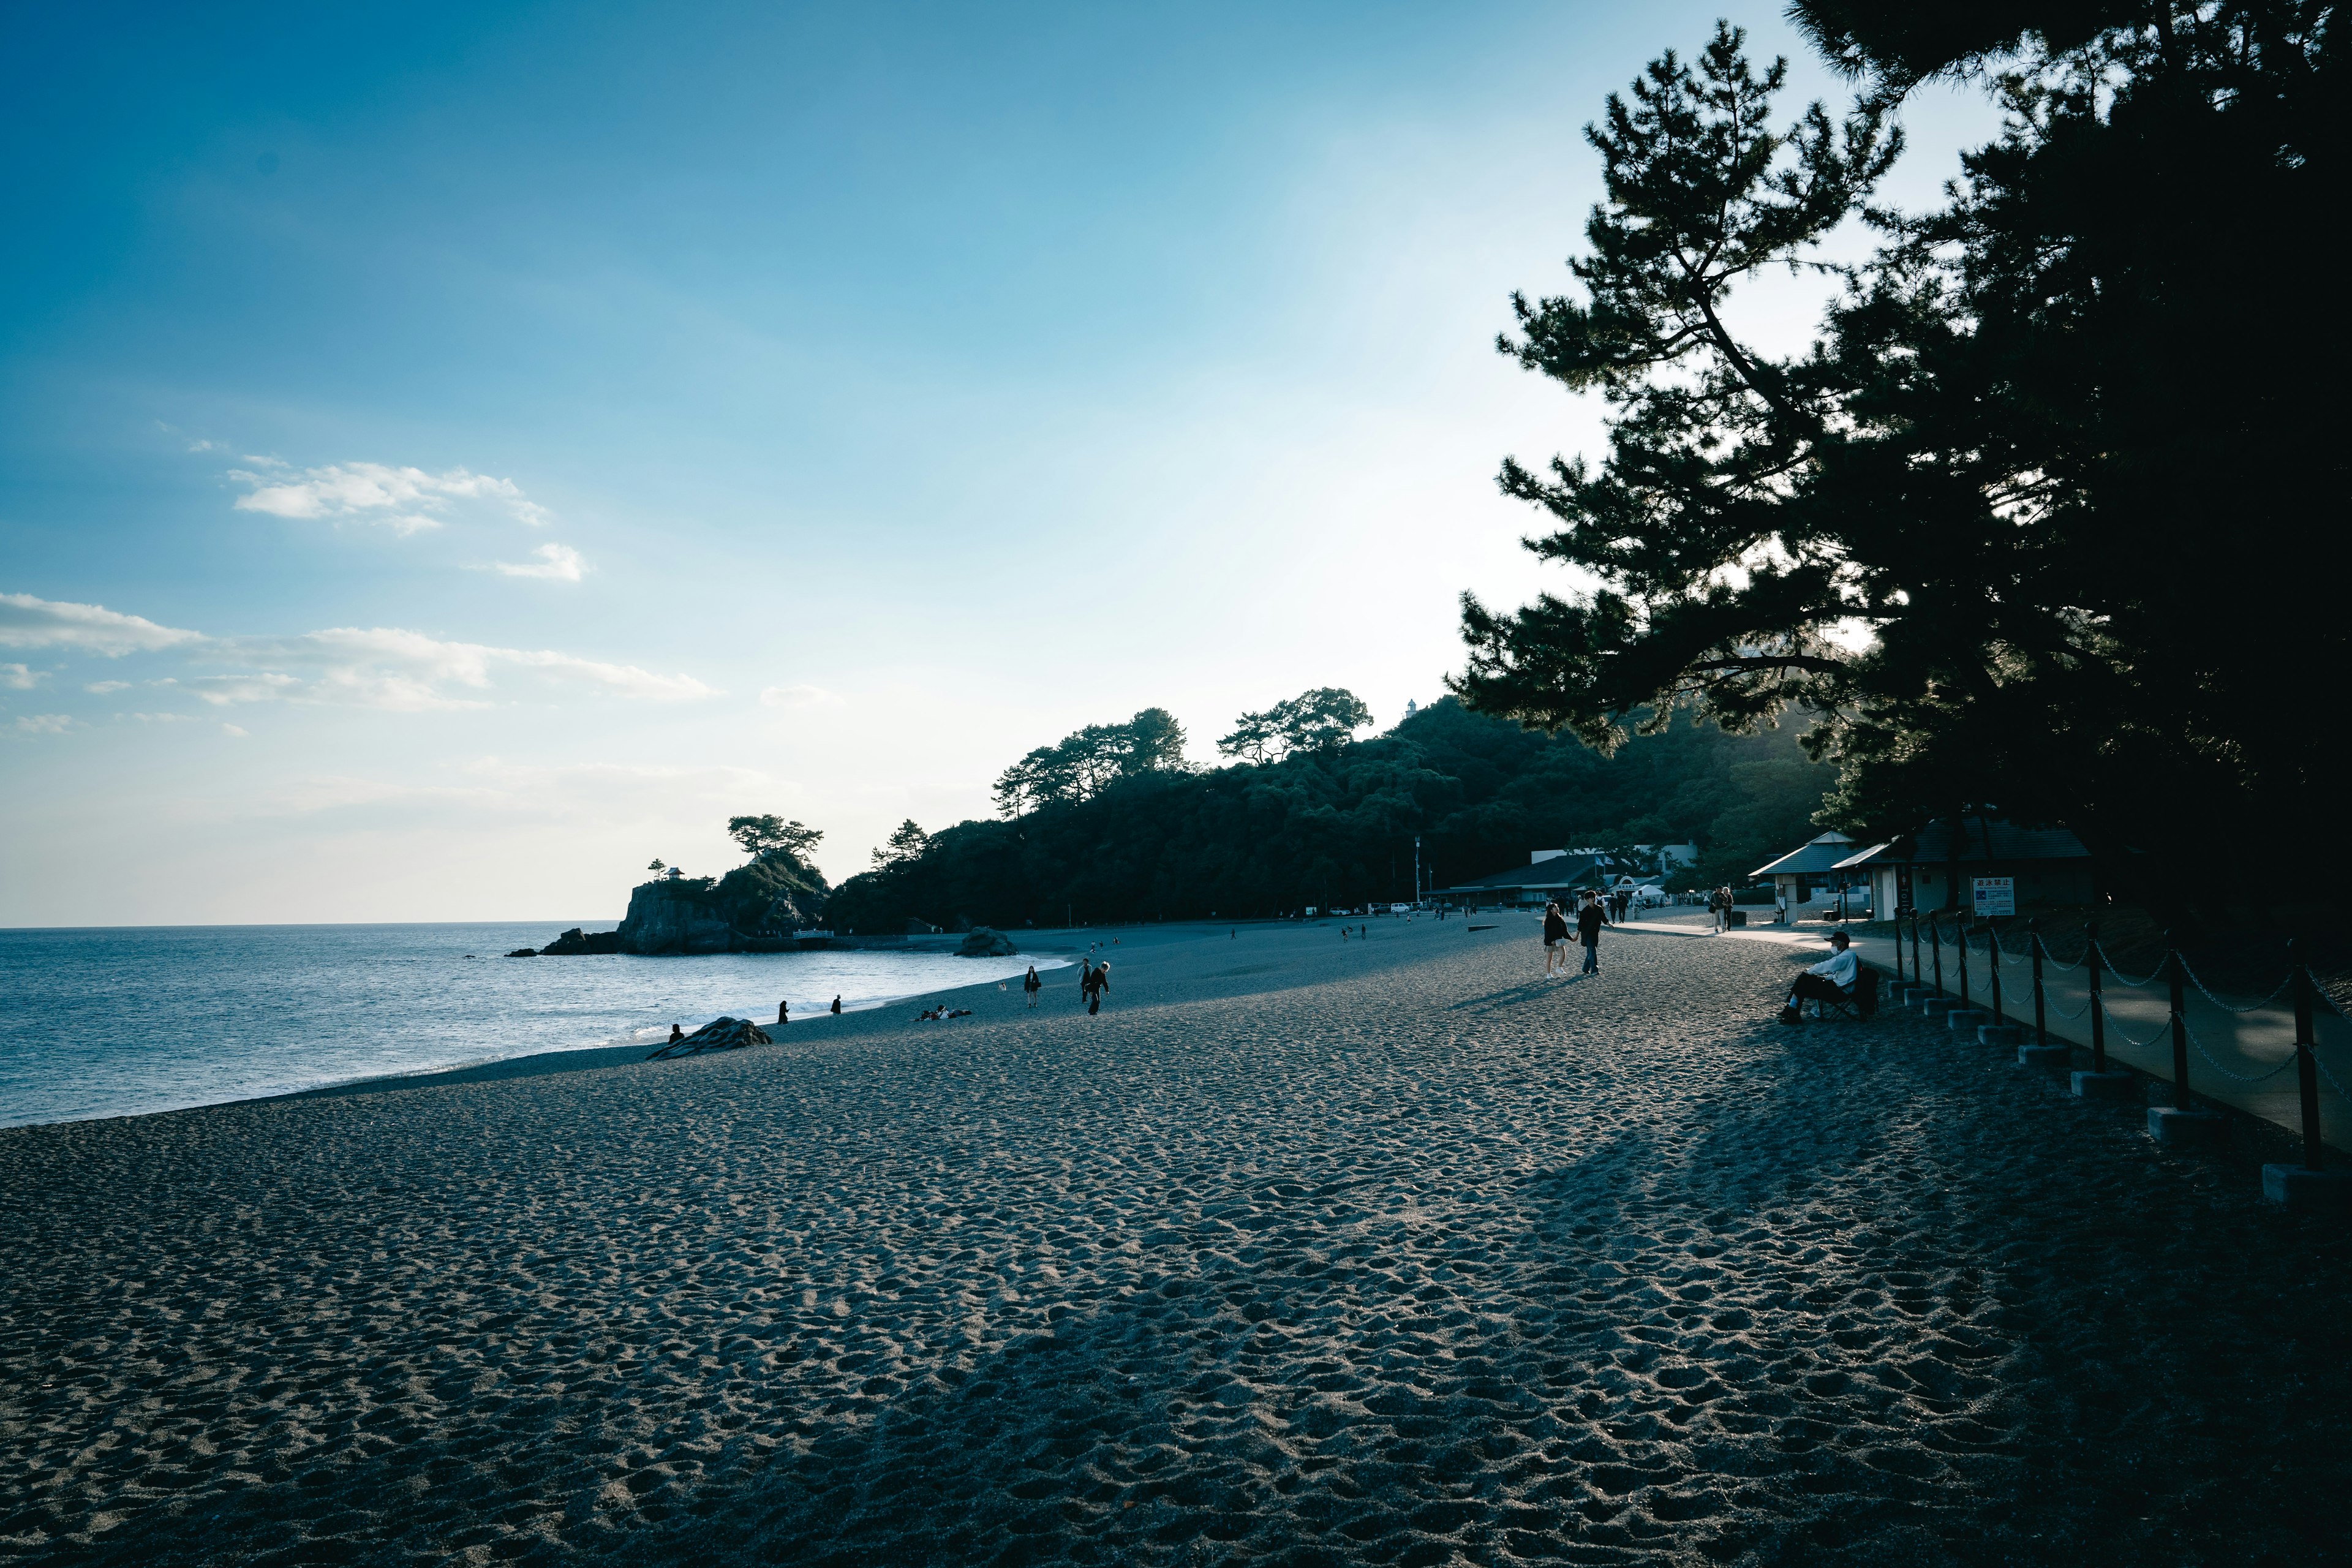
(1096, 984)
(1589, 921)
(1718, 904)
(783, 1014)
(836, 1004)
(1555, 934)
(1030, 985)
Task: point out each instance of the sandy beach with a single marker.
(1384, 1251)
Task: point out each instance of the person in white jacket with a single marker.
(1830, 980)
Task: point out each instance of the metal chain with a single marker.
(2225, 1072)
(2224, 1005)
(2142, 1045)
(2060, 962)
(2081, 1012)
(2155, 974)
(2330, 1076)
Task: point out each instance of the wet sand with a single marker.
(1302, 1252)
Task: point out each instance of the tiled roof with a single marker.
(1821, 855)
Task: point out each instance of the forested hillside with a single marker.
(1335, 825)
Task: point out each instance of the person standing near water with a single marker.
(1555, 935)
(1102, 984)
(783, 1014)
(1589, 921)
(1030, 985)
(836, 1004)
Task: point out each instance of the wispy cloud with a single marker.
(29, 622)
(375, 667)
(404, 500)
(238, 730)
(556, 563)
(46, 723)
(386, 666)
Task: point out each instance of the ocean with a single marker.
(122, 1021)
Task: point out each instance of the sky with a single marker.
(450, 455)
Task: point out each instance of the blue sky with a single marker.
(451, 455)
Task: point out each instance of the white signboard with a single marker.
(1996, 895)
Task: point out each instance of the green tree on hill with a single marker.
(1084, 764)
(1316, 721)
(907, 842)
(761, 836)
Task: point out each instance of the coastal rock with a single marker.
(718, 1034)
(576, 942)
(986, 942)
(675, 917)
(524, 953)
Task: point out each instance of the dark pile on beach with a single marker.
(1383, 1252)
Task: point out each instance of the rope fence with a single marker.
(2098, 969)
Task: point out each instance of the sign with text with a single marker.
(1996, 895)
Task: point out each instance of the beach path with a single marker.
(1385, 1251)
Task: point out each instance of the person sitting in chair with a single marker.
(1830, 980)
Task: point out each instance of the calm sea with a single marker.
(116, 1022)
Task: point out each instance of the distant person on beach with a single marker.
(783, 1014)
(1094, 985)
(1030, 985)
(836, 1004)
(675, 1034)
(1589, 921)
(1718, 904)
(1830, 980)
(1555, 935)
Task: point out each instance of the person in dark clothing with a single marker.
(675, 1034)
(783, 1014)
(1589, 921)
(1030, 985)
(836, 1004)
(1095, 994)
(1555, 934)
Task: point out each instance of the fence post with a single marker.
(2173, 967)
(2098, 1009)
(1917, 978)
(2041, 1031)
(1993, 962)
(1935, 931)
(2307, 1070)
(1960, 929)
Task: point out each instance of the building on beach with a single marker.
(1548, 874)
(1796, 876)
(1986, 866)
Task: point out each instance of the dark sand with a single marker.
(1387, 1252)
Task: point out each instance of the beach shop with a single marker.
(1980, 863)
(1797, 875)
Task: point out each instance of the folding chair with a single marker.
(1861, 1005)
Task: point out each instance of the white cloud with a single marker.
(45, 724)
(238, 731)
(557, 562)
(29, 622)
(21, 678)
(404, 499)
(103, 688)
(220, 690)
(386, 666)
(797, 696)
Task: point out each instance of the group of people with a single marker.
(1590, 916)
(784, 1010)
